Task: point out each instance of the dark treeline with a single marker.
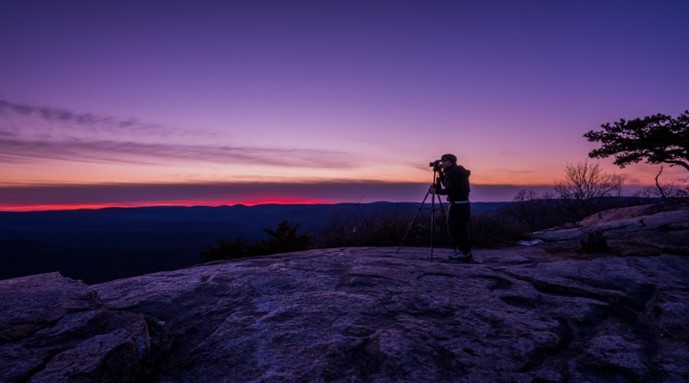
(98, 246)
(113, 243)
(500, 227)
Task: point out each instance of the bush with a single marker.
(382, 227)
(496, 229)
(223, 249)
(284, 238)
(535, 212)
(388, 228)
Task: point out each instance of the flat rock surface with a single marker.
(522, 314)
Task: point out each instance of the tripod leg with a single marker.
(432, 223)
(411, 224)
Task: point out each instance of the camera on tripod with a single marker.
(436, 165)
(436, 188)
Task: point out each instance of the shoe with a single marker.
(461, 256)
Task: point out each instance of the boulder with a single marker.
(57, 330)
(638, 230)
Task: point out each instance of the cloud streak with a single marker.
(127, 152)
(34, 141)
(93, 122)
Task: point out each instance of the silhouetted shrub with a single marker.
(535, 212)
(539, 212)
(388, 228)
(234, 249)
(595, 242)
(494, 229)
(383, 227)
(284, 238)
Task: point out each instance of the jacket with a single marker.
(455, 183)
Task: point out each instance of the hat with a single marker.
(449, 157)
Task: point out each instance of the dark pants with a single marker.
(457, 225)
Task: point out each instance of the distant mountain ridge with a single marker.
(109, 243)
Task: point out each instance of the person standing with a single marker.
(454, 182)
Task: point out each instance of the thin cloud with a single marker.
(109, 151)
(21, 145)
(93, 122)
(513, 171)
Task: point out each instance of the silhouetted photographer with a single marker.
(453, 181)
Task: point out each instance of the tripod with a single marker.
(436, 181)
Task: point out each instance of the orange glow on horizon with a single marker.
(186, 203)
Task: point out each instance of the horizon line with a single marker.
(98, 196)
(52, 208)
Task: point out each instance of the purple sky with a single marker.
(208, 102)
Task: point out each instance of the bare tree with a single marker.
(535, 210)
(666, 191)
(663, 195)
(585, 187)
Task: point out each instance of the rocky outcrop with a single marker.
(639, 230)
(545, 313)
(55, 329)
